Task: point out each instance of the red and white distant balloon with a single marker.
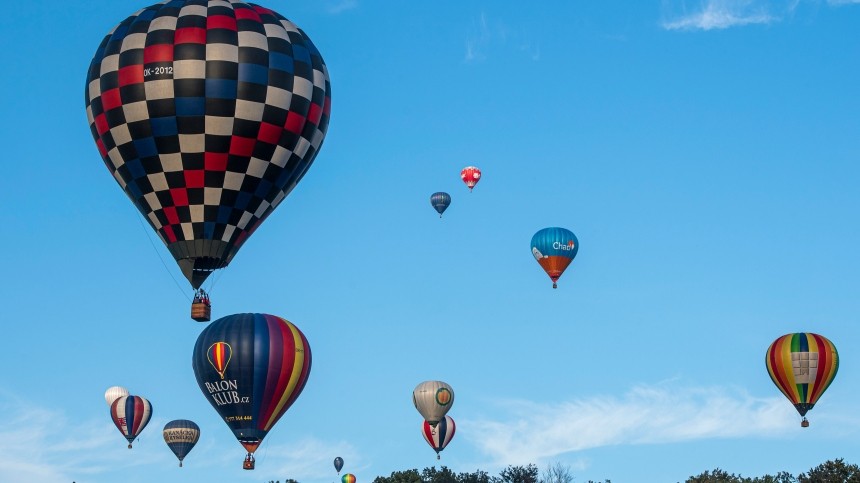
(470, 175)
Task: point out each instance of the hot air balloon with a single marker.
(433, 399)
(347, 478)
(470, 175)
(440, 436)
(251, 368)
(440, 202)
(207, 115)
(113, 393)
(181, 435)
(554, 249)
(130, 414)
(338, 464)
(802, 366)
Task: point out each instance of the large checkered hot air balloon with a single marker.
(251, 368)
(802, 366)
(207, 114)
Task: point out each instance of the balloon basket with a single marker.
(248, 464)
(201, 312)
(804, 423)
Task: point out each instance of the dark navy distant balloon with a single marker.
(440, 201)
(181, 435)
(338, 464)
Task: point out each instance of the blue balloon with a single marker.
(440, 201)
(554, 248)
(338, 464)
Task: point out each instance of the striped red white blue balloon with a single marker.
(439, 437)
(130, 414)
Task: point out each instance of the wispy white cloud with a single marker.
(489, 33)
(41, 445)
(722, 14)
(55, 447)
(478, 41)
(341, 6)
(645, 415)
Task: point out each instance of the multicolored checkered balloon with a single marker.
(207, 113)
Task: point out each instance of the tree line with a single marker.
(831, 471)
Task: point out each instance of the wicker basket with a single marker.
(201, 312)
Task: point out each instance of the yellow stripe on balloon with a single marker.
(299, 362)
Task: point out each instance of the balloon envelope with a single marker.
(554, 248)
(440, 202)
(207, 116)
(802, 366)
(433, 399)
(251, 368)
(441, 435)
(130, 414)
(113, 393)
(470, 175)
(338, 464)
(347, 478)
(181, 435)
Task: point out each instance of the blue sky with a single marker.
(704, 152)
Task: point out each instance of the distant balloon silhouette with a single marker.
(338, 464)
(440, 202)
(251, 368)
